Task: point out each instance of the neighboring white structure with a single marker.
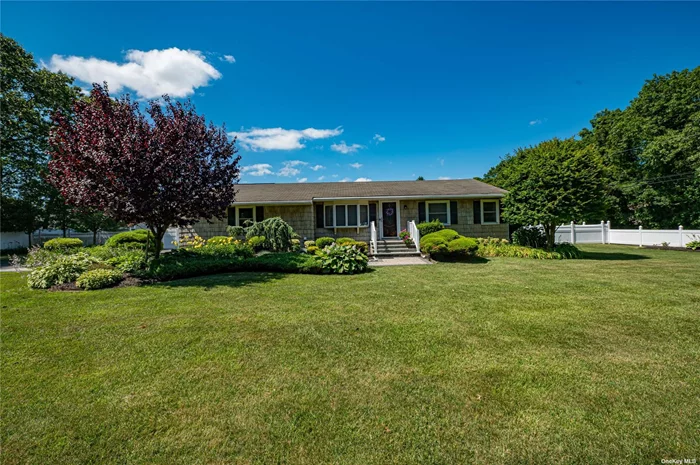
(603, 234)
(15, 240)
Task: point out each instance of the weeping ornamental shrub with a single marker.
(530, 236)
(277, 233)
(63, 244)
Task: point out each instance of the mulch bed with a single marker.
(129, 281)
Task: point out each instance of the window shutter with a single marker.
(421, 212)
(500, 212)
(477, 211)
(259, 213)
(373, 212)
(319, 215)
(454, 217)
(232, 216)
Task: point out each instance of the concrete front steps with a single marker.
(395, 248)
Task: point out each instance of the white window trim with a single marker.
(427, 210)
(498, 211)
(255, 214)
(333, 225)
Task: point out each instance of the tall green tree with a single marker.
(651, 150)
(29, 95)
(554, 182)
(93, 221)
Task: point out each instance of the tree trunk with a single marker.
(158, 233)
(550, 230)
(65, 231)
(29, 241)
(94, 237)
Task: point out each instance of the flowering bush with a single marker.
(192, 242)
(406, 237)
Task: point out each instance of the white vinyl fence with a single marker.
(14, 240)
(603, 234)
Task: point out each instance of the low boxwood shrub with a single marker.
(323, 242)
(462, 247)
(343, 259)
(132, 238)
(277, 233)
(530, 236)
(426, 228)
(441, 237)
(64, 269)
(62, 244)
(99, 279)
(352, 242)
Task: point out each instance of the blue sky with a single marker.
(381, 91)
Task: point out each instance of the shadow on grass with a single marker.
(229, 279)
(612, 256)
(471, 260)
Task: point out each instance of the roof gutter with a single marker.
(412, 197)
(277, 202)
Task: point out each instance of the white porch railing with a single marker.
(373, 237)
(414, 233)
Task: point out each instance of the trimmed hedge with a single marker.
(323, 242)
(447, 244)
(426, 228)
(62, 244)
(138, 236)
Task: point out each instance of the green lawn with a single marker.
(510, 361)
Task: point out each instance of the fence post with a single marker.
(680, 231)
(573, 232)
(641, 242)
(602, 232)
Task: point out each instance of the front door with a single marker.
(389, 220)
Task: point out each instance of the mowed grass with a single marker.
(510, 361)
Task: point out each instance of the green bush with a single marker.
(352, 242)
(39, 256)
(343, 259)
(462, 247)
(257, 242)
(530, 236)
(323, 242)
(296, 245)
(99, 279)
(693, 245)
(277, 233)
(312, 249)
(137, 237)
(436, 239)
(236, 249)
(125, 259)
(235, 231)
(64, 269)
(62, 244)
(288, 262)
(308, 244)
(500, 248)
(426, 228)
(220, 240)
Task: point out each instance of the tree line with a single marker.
(634, 166)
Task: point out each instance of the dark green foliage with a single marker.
(235, 231)
(567, 250)
(447, 244)
(553, 182)
(63, 244)
(231, 250)
(323, 242)
(138, 236)
(343, 259)
(352, 242)
(284, 262)
(277, 233)
(99, 279)
(462, 247)
(426, 228)
(530, 236)
(493, 247)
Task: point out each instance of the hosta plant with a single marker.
(343, 259)
(99, 278)
(65, 269)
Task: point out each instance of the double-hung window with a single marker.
(489, 212)
(438, 211)
(346, 216)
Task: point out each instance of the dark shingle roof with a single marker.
(307, 192)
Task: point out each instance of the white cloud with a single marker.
(228, 58)
(363, 180)
(444, 178)
(345, 148)
(318, 167)
(535, 122)
(356, 165)
(302, 179)
(345, 180)
(281, 139)
(289, 168)
(150, 74)
(260, 169)
(377, 138)
(321, 178)
(335, 175)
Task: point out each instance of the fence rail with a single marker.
(414, 232)
(14, 240)
(603, 234)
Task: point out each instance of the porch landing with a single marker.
(395, 261)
